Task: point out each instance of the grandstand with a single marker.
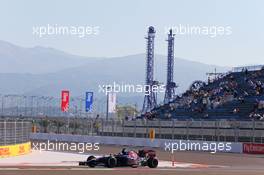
(235, 95)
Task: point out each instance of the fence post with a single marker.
(187, 129)
(146, 133)
(5, 132)
(173, 128)
(234, 129)
(215, 131)
(159, 129)
(22, 126)
(29, 130)
(237, 131)
(253, 130)
(58, 126)
(202, 129)
(68, 123)
(91, 123)
(135, 128)
(218, 131)
(102, 130)
(112, 134)
(15, 131)
(123, 129)
(262, 135)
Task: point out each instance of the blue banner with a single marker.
(88, 101)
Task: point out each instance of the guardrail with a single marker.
(14, 132)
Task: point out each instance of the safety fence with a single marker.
(219, 130)
(14, 132)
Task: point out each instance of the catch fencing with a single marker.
(14, 132)
(219, 130)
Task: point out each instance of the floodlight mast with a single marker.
(170, 86)
(150, 99)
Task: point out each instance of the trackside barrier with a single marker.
(129, 141)
(253, 148)
(15, 150)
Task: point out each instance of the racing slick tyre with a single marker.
(134, 166)
(90, 158)
(111, 162)
(152, 163)
(91, 161)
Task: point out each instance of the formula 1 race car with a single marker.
(125, 158)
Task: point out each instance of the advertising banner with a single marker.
(65, 97)
(253, 148)
(15, 150)
(88, 101)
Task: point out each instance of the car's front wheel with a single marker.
(91, 162)
(152, 162)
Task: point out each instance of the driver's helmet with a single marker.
(124, 151)
(132, 155)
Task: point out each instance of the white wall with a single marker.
(128, 141)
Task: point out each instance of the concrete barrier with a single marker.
(130, 141)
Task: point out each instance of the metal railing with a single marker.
(14, 131)
(218, 130)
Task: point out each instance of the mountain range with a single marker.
(46, 71)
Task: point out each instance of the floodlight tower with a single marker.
(150, 99)
(170, 86)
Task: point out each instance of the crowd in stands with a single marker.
(258, 110)
(237, 87)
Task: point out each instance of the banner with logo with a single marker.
(253, 148)
(15, 150)
(111, 102)
(88, 101)
(65, 98)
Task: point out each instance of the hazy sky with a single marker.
(123, 25)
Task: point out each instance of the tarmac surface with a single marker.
(193, 163)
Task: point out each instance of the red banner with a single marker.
(65, 97)
(253, 148)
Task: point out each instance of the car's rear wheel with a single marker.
(91, 161)
(152, 162)
(90, 158)
(111, 162)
